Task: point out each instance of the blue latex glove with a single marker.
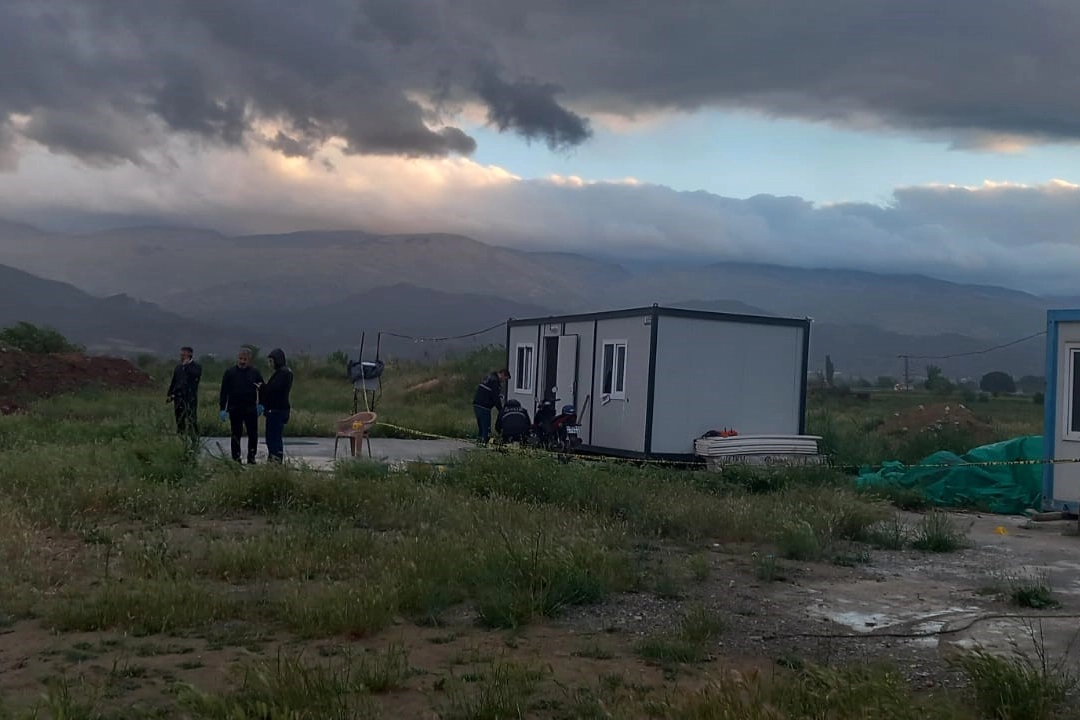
(259, 409)
(222, 415)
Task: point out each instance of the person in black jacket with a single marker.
(275, 399)
(488, 395)
(240, 402)
(513, 422)
(183, 393)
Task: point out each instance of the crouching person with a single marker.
(275, 401)
(513, 422)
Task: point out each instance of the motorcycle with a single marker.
(556, 431)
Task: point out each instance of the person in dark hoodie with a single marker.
(240, 403)
(183, 393)
(513, 422)
(275, 399)
(488, 395)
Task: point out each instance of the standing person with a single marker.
(488, 395)
(183, 393)
(275, 399)
(240, 403)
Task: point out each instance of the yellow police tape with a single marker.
(600, 458)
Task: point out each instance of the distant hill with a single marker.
(905, 304)
(318, 286)
(406, 310)
(869, 352)
(211, 276)
(116, 325)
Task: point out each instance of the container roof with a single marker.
(664, 312)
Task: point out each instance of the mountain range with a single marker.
(149, 289)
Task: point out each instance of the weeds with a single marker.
(937, 532)
(289, 687)
(768, 568)
(891, 534)
(594, 651)
(527, 576)
(1025, 590)
(1013, 687)
(691, 641)
(699, 567)
(500, 690)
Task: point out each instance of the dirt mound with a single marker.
(936, 418)
(25, 377)
(433, 384)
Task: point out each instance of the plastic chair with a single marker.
(355, 428)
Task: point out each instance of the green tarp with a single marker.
(1007, 489)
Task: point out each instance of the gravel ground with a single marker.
(892, 593)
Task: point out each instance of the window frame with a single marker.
(1072, 350)
(529, 366)
(615, 393)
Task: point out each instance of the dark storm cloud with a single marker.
(290, 146)
(530, 108)
(351, 68)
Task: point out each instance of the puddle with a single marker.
(881, 617)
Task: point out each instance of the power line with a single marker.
(974, 352)
(443, 339)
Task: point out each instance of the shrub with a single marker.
(1014, 687)
(33, 339)
(937, 532)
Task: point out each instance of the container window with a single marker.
(524, 368)
(614, 369)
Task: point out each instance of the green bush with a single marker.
(39, 340)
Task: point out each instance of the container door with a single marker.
(566, 374)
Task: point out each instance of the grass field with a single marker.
(138, 580)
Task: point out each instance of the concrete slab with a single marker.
(319, 452)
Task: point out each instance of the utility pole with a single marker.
(907, 370)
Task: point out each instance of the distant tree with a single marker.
(830, 371)
(997, 383)
(863, 383)
(145, 361)
(885, 382)
(338, 358)
(1031, 384)
(936, 382)
(33, 339)
(1038, 398)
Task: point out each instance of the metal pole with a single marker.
(355, 402)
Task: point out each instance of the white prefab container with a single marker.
(648, 382)
(1061, 422)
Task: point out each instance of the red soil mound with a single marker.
(936, 418)
(25, 377)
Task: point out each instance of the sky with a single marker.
(881, 135)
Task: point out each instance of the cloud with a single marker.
(530, 108)
(987, 75)
(1000, 233)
